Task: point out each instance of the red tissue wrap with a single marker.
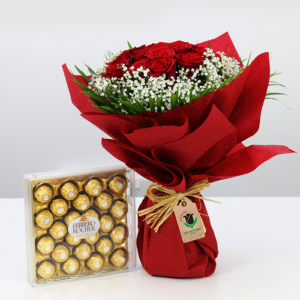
(202, 139)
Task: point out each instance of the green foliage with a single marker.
(129, 45)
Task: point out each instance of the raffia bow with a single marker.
(168, 200)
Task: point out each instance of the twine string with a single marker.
(168, 199)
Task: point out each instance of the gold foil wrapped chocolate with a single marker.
(106, 223)
(119, 209)
(46, 269)
(71, 266)
(71, 215)
(92, 213)
(61, 253)
(95, 262)
(58, 230)
(104, 200)
(119, 234)
(104, 245)
(72, 240)
(117, 184)
(83, 251)
(82, 202)
(92, 239)
(45, 244)
(44, 219)
(43, 193)
(119, 257)
(93, 186)
(69, 190)
(59, 206)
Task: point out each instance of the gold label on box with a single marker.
(83, 226)
(189, 221)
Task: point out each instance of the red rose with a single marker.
(137, 53)
(161, 66)
(180, 46)
(189, 60)
(113, 69)
(123, 58)
(198, 49)
(140, 63)
(160, 50)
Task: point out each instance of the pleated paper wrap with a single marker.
(199, 140)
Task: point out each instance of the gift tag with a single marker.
(189, 221)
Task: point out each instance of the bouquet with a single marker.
(177, 114)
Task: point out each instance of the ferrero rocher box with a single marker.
(79, 224)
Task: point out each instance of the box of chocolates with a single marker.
(79, 224)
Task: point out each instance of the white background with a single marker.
(40, 130)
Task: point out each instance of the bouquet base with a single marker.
(163, 253)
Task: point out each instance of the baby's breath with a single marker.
(139, 85)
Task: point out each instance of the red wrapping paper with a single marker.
(199, 140)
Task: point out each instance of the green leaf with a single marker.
(271, 94)
(114, 111)
(249, 59)
(191, 93)
(140, 105)
(159, 103)
(90, 70)
(133, 108)
(131, 60)
(85, 88)
(152, 104)
(275, 74)
(100, 108)
(276, 83)
(174, 102)
(129, 45)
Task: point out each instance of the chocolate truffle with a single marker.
(92, 213)
(104, 245)
(117, 184)
(70, 216)
(119, 234)
(106, 223)
(71, 266)
(83, 251)
(43, 193)
(44, 219)
(104, 200)
(95, 262)
(82, 202)
(59, 206)
(92, 239)
(93, 187)
(45, 244)
(61, 253)
(58, 230)
(71, 240)
(69, 190)
(119, 257)
(46, 269)
(119, 209)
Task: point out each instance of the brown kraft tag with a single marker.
(189, 221)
